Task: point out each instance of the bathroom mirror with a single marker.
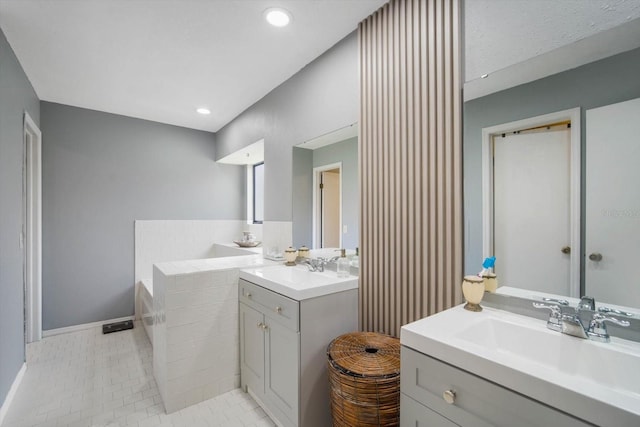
(325, 190)
(597, 89)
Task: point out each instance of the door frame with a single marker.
(32, 229)
(572, 115)
(317, 214)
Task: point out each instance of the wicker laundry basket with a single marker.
(364, 380)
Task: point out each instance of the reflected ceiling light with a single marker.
(277, 16)
(203, 111)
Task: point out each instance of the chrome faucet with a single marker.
(571, 323)
(598, 329)
(555, 317)
(315, 264)
(586, 303)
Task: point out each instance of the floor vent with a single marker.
(117, 326)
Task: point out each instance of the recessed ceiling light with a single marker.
(277, 16)
(203, 111)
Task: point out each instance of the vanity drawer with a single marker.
(478, 402)
(417, 415)
(275, 306)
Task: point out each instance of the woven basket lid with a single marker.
(365, 354)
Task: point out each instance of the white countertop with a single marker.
(571, 374)
(209, 264)
(297, 282)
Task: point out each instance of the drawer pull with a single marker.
(278, 310)
(449, 396)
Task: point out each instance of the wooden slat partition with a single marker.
(410, 163)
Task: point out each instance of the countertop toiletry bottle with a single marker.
(490, 282)
(355, 260)
(290, 255)
(303, 252)
(343, 264)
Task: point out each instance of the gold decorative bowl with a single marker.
(247, 244)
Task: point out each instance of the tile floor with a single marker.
(87, 379)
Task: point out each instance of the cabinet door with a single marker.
(251, 348)
(478, 402)
(413, 414)
(282, 373)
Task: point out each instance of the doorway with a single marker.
(31, 236)
(327, 210)
(612, 209)
(531, 202)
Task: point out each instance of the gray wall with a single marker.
(100, 173)
(320, 98)
(302, 188)
(600, 83)
(303, 163)
(16, 97)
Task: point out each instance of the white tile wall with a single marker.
(277, 234)
(196, 354)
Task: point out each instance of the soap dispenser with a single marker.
(355, 260)
(343, 264)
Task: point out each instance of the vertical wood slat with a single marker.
(410, 163)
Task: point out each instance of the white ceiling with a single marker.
(501, 33)
(249, 155)
(161, 59)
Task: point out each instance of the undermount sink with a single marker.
(589, 379)
(297, 282)
(607, 364)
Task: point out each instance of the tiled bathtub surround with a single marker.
(175, 240)
(195, 349)
(164, 241)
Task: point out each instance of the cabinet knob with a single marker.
(566, 250)
(595, 257)
(264, 327)
(449, 396)
(278, 310)
(248, 294)
(260, 325)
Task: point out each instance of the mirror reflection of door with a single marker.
(612, 230)
(531, 195)
(328, 218)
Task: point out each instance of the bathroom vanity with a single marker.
(496, 368)
(288, 317)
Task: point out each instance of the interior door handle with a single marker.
(595, 257)
(566, 250)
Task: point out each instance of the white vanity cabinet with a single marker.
(469, 400)
(283, 344)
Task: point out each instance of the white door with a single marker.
(531, 210)
(331, 209)
(612, 236)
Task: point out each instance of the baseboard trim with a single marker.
(67, 329)
(12, 392)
